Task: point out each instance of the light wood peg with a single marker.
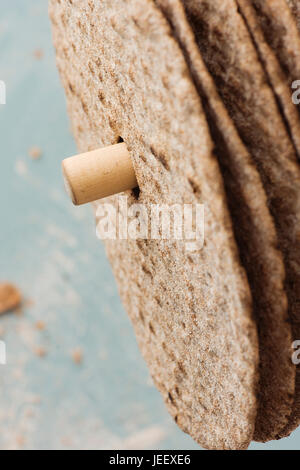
(98, 174)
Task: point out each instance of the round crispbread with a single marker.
(277, 39)
(275, 35)
(256, 235)
(232, 59)
(125, 76)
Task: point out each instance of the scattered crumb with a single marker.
(10, 298)
(40, 351)
(20, 441)
(28, 303)
(77, 356)
(36, 400)
(40, 325)
(21, 168)
(29, 413)
(66, 442)
(38, 54)
(103, 355)
(18, 374)
(35, 153)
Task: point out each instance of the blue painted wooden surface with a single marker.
(49, 249)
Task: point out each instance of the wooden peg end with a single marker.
(98, 174)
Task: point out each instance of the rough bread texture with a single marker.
(256, 235)
(232, 59)
(125, 75)
(279, 50)
(279, 28)
(295, 7)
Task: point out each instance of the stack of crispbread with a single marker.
(201, 92)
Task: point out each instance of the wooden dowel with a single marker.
(98, 174)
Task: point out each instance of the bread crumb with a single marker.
(28, 303)
(20, 441)
(40, 351)
(77, 356)
(36, 400)
(29, 413)
(10, 298)
(35, 153)
(66, 442)
(40, 325)
(38, 54)
(21, 168)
